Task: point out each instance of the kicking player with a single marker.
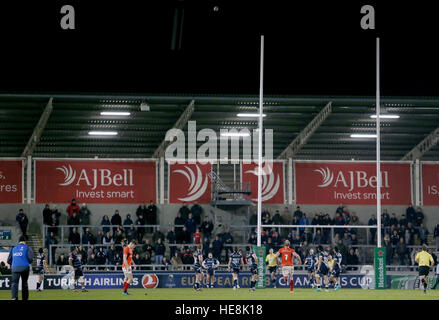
(425, 261)
(287, 254)
(310, 263)
(75, 263)
(271, 259)
(41, 268)
(235, 263)
(210, 264)
(336, 268)
(127, 266)
(252, 260)
(198, 266)
(322, 269)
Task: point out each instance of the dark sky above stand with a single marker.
(310, 48)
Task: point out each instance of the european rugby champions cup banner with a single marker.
(11, 181)
(273, 177)
(95, 181)
(351, 183)
(430, 184)
(189, 182)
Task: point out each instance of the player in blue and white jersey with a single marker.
(75, 263)
(210, 264)
(310, 266)
(235, 263)
(336, 269)
(322, 269)
(41, 267)
(252, 260)
(198, 267)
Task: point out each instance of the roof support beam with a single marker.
(429, 142)
(38, 130)
(179, 124)
(306, 133)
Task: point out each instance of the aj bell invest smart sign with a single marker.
(95, 181)
(351, 183)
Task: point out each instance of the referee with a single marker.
(19, 259)
(425, 261)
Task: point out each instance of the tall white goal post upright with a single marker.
(261, 106)
(378, 142)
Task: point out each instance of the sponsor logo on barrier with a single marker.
(150, 281)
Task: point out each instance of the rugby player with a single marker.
(322, 269)
(128, 265)
(287, 254)
(198, 267)
(75, 263)
(252, 260)
(210, 264)
(310, 263)
(336, 268)
(41, 268)
(235, 264)
(425, 261)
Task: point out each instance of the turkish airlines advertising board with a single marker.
(351, 183)
(189, 182)
(273, 190)
(11, 181)
(430, 184)
(95, 181)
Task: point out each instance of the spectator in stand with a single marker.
(408, 237)
(51, 240)
(147, 247)
(196, 211)
(131, 233)
(303, 221)
(253, 221)
(207, 227)
(101, 257)
(140, 222)
(297, 242)
(227, 239)
(269, 244)
(252, 240)
(91, 250)
(197, 236)
(158, 234)
(111, 253)
(188, 259)
(317, 240)
(394, 238)
(117, 259)
(165, 263)
(141, 210)
(298, 213)
(436, 236)
(88, 237)
(72, 208)
(267, 220)
(127, 222)
(151, 215)
(276, 240)
(315, 220)
(138, 260)
(277, 218)
(410, 213)
(411, 229)
(393, 220)
(54, 223)
(423, 234)
(219, 227)
(354, 219)
(62, 260)
(92, 261)
(352, 259)
(22, 222)
(184, 211)
(116, 220)
(339, 221)
(84, 215)
(100, 237)
(373, 231)
(286, 214)
(190, 225)
(74, 237)
(389, 249)
(178, 221)
(206, 244)
(346, 240)
(264, 236)
(183, 236)
(264, 213)
(176, 260)
(340, 209)
(354, 240)
(419, 217)
(107, 239)
(171, 237)
(401, 251)
(82, 254)
(159, 251)
(105, 222)
(359, 256)
(73, 220)
(346, 215)
(217, 247)
(47, 215)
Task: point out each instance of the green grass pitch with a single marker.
(229, 294)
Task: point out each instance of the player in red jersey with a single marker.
(126, 266)
(287, 254)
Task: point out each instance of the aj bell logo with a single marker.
(269, 186)
(354, 179)
(102, 177)
(197, 184)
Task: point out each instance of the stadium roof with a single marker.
(139, 135)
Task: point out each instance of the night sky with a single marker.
(311, 49)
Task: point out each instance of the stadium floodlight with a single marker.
(115, 113)
(235, 134)
(385, 116)
(102, 133)
(363, 135)
(249, 115)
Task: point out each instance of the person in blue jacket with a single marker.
(20, 258)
